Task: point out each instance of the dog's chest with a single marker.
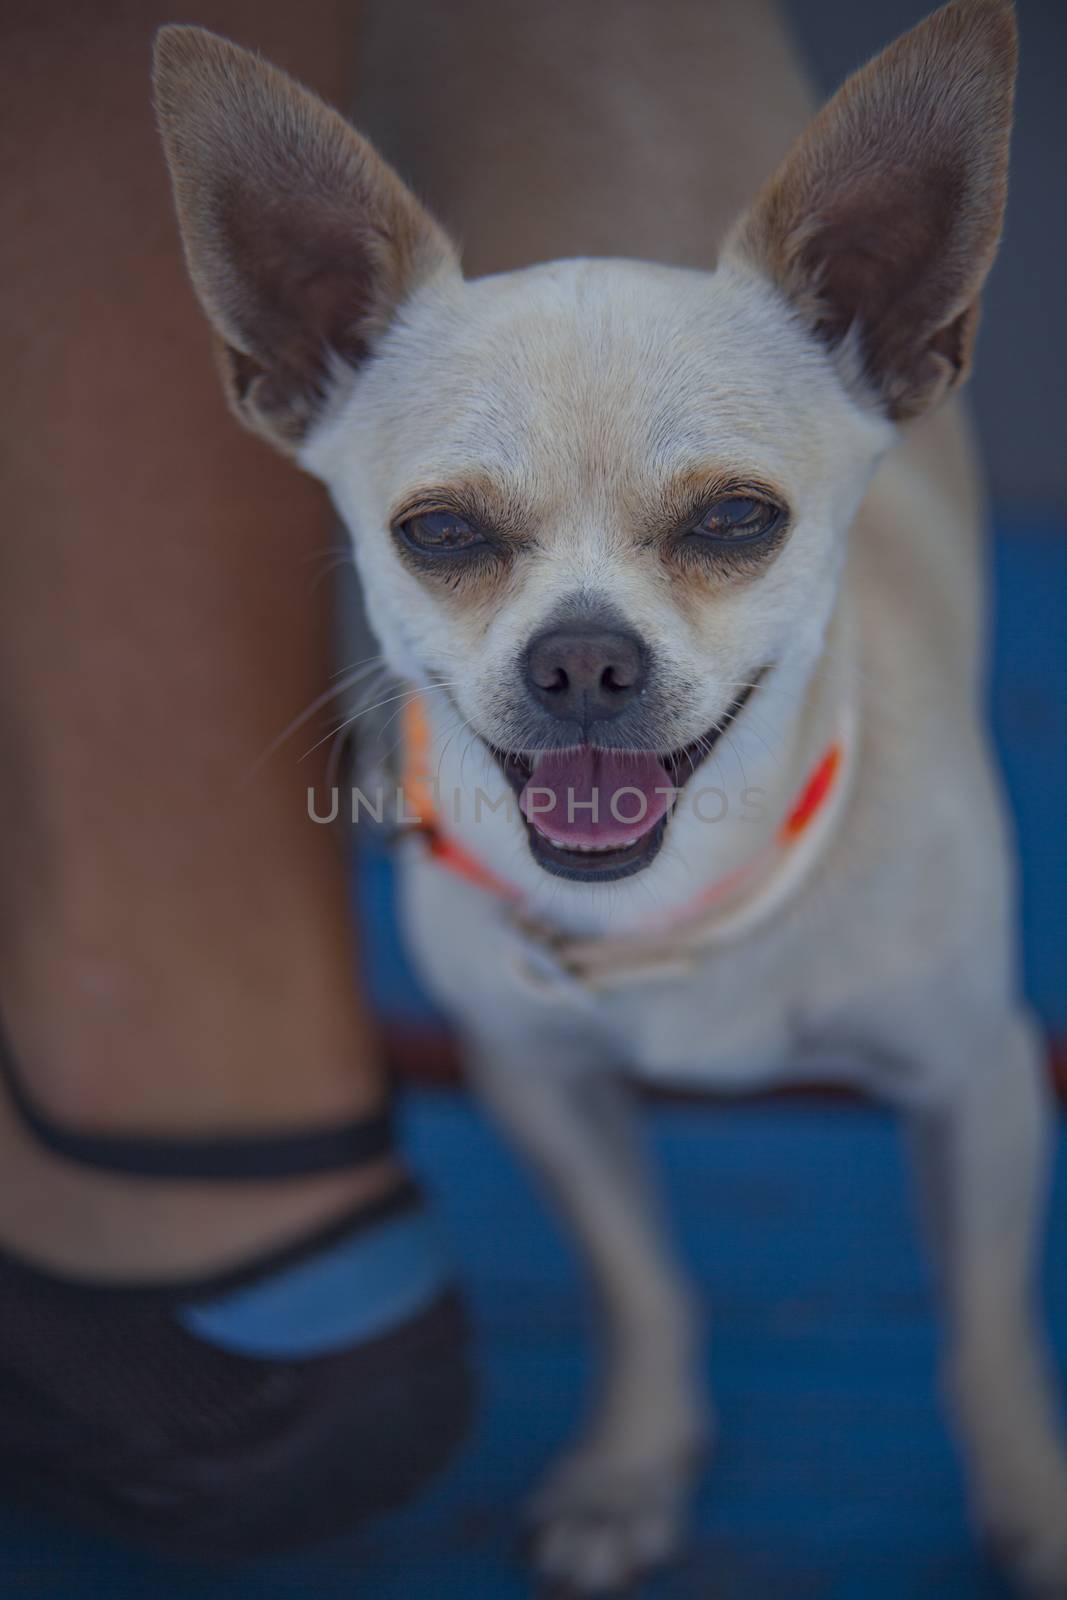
(726, 1023)
(713, 1028)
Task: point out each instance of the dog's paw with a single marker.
(594, 1529)
(1030, 1547)
(1033, 1560)
(1025, 1526)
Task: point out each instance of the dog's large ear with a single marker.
(883, 220)
(301, 242)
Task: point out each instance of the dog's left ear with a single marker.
(301, 242)
(883, 220)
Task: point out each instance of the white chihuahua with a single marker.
(722, 810)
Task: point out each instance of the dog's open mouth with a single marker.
(598, 815)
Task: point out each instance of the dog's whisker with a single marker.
(400, 709)
(406, 695)
(329, 550)
(298, 722)
(462, 724)
(752, 724)
(333, 762)
(374, 681)
(463, 757)
(331, 566)
(365, 661)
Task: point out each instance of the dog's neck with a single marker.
(729, 814)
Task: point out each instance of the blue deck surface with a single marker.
(834, 1477)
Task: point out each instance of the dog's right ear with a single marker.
(301, 242)
(882, 222)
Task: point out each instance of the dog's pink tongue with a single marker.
(595, 798)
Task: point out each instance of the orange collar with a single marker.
(420, 808)
(420, 804)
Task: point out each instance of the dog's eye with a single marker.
(441, 532)
(738, 520)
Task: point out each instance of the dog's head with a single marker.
(597, 502)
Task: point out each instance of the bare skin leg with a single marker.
(175, 950)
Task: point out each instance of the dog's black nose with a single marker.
(585, 674)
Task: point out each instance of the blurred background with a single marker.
(835, 1477)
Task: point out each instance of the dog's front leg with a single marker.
(616, 1503)
(982, 1153)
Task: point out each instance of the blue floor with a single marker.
(1029, 715)
(834, 1477)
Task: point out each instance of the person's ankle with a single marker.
(86, 1223)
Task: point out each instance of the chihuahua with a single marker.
(706, 795)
